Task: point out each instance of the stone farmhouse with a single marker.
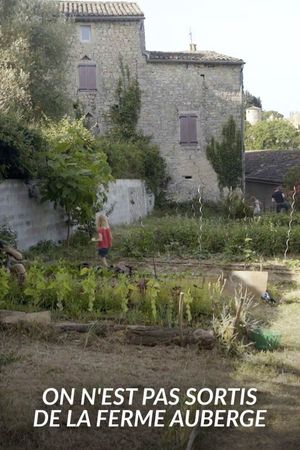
(187, 96)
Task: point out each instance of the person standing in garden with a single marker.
(278, 198)
(256, 206)
(104, 238)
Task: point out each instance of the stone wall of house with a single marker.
(214, 94)
(33, 221)
(111, 43)
(212, 91)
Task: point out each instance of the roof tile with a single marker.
(270, 165)
(95, 9)
(207, 57)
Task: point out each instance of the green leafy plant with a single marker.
(179, 236)
(73, 170)
(89, 286)
(121, 292)
(124, 115)
(4, 282)
(188, 300)
(248, 253)
(36, 285)
(235, 207)
(61, 286)
(153, 288)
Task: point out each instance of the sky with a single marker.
(264, 33)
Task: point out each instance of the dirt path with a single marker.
(102, 363)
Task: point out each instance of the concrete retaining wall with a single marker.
(34, 221)
(128, 201)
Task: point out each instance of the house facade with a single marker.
(186, 96)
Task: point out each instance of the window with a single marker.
(85, 33)
(188, 128)
(87, 77)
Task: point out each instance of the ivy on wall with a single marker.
(130, 153)
(226, 156)
(124, 115)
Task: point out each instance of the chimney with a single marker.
(193, 47)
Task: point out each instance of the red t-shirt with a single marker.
(106, 237)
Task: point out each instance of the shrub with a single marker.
(74, 168)
(244, 239)
(137, 159)
(226, 156)
(235, 207)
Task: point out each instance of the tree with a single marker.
(251, 100)
(20, 145)
(226, 156)
(277, 134)
(33, 58)
(271, 115)
(74, 168)
(14, 92)
(292, 178)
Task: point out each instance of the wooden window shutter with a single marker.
(188, 129)
(192, 129)
(87, 77)
(184, 133)
(91, 78)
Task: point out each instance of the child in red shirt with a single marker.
(104, 238)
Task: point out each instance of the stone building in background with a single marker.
(186, 96)
(253, 115)
(294, 118)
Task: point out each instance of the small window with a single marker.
(188, 129)
(85, 33)
(87, 77)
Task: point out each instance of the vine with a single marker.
(130, 153)
(124, 114)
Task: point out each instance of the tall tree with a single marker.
(271, 115)
(33, 58)
(276, 134)
(226, 156)
(251, 100)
